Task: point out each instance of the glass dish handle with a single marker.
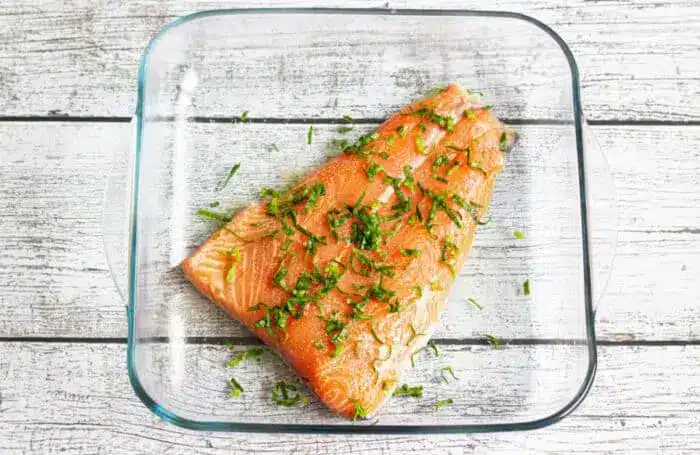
(117, 212)
(601, 198)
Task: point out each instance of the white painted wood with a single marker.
(638, 61)
(75, 398)
(55, 280)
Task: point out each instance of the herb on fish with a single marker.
(318, 345)
(470, 207)
(337, 351)
(470, 114)
(449, 370)
(477, 166)
(374, 334)
(377, 291)
(406, 391)
(493, 341)
(256, 307)
(440, 160)
(344, 129)
(359, 411)
(473, 301)
(370, 265)
(440, 202)
(387, 384)
(439, 178)
(390, 140)
(213, 215)
(419, 293)
(310, 134)
(410, 252)
(287, 395)
(420, 145)
(442, 403)
(402, 130)
(423, 127)
(526, 287)
(231, 274)
(316, 192)
(435, 91)
(373, 170)
(445, 122)
(235, 388)
(358, 148)
(436, 286)
(518, 234)
(252, 353)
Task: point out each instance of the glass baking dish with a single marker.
(221, 87)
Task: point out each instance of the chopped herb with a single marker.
(374, 334)
(408, 177)
(287, 395)
(335, 220)
(244, 116)
(340, 144)
(373, 170)
(518, 234)
(316, 192)
(410, 252)
(440, 160)
(214, 204)
(275, 148)
(395, 306)
(406, 391)
(402, 130)
(344, 129)
(286, 244)
(442, 403)
(251, 353)
(419, 293)
(347, 117)
(360, 411)
(390, 140)
(256, 307)
(435, 91)
(449, 370)
(470, 114)
(439, 178)
(231, 274)
(213, 215)
(434, 347)
(493, 341)
(337, 351)
(414, 334)
(440, 202)
(471, 208)
(436, 285)
(503, 142)
(526, 287)
(420, 145)
(379, 292)
(318, 345)
(423, 127)
(387, 384)
(473, 301)
(235, 388)
(370, 265)
(310, 134)
(366, 234)
(471, 163)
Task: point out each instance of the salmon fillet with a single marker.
(346, 273)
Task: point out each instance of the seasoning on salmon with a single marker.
(365, 250)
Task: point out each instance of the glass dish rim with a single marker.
(169, 416)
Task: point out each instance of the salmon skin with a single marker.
(346, 273)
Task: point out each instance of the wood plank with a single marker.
(55, 280)
(80, 59)
(76, 398)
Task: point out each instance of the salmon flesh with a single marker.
(345, 274)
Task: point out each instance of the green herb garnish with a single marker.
(406, 391)
(316, 192)
(213, 215)
(447, 123)
(420, 145)
(503, 142)
(214, 204)
(493, 341)
(275, 148)
(375, 335)
(442, 403)
(526, 287)
(318, 345)
(402, 130)
(287, 395)
(310, 134)
(449, 370)
(286, 244)
(235, 388)
(373, 170)
(344, 129)
(410, 252)
(347, 117)
(435, 91)
(390, 140)
(360, 411)
(473, 301)
(518, 234)
(434, 347)
(244, 116)
(251, 353)
(470, 114)
(370, 265)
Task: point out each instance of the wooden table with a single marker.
(67, 84)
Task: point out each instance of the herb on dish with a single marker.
(449, 370)
(235, 388)
(420, 145)
(406, 391)
(309, 135)
(518, 234)
(474, 302)
(359, 411)
(275, 148)
(214, 204)
(526, 287)
(213, 215)
(287, 395)
(493, 341)
(251, 353)
(244, 116)
(410, 252)
(442, 403)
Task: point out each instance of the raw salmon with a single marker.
(346, 273)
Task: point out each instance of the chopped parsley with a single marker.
(214, 204)
(477, 166)
(365, 233)
(447, 369)
(410, 252)
(359, 411)
(370, 265)
(335, 220)
(244, 116)
(435, 91)
(406, 391)
(235, 388)
(275, 148)
(434, 347)
(518, 234)
(375, 335)
(470, 114)
(442, 403)
(316, 192)
(310, 134)
(526, 287)
(470, 207)
(447, 123)
(390, 140)
(251, 353)
(474, 302)
(493, 341)
(347, 118)
(344, 129)
(236, 254)
(287, 395)
(402, 130)
(503, 142)
(408, 178)
(213, 215)
(420, 145)
(373, 170)
(440, 202)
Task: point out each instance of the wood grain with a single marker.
(638, 62)
(75, 398)
(55, 280)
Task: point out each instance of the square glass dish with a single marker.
(289, 69)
